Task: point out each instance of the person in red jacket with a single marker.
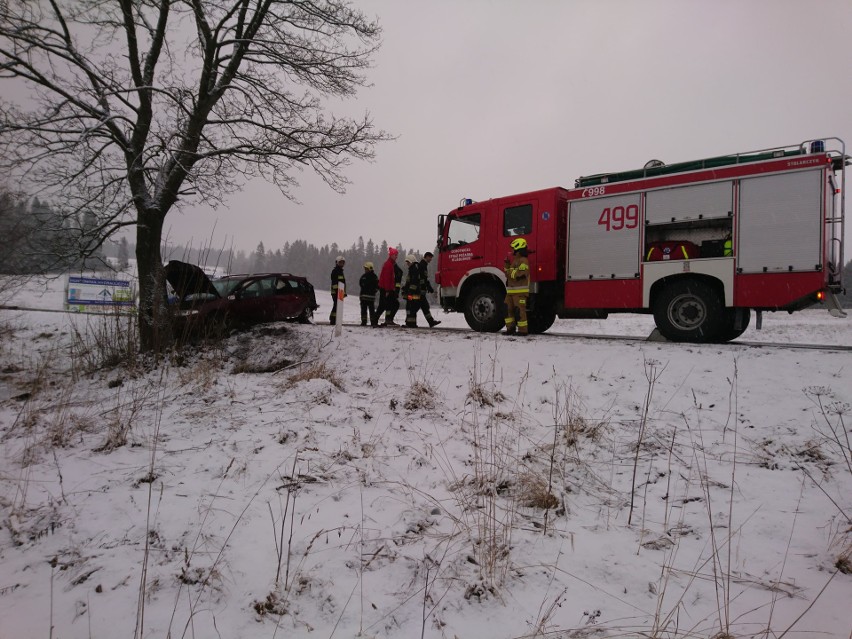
(388, 290)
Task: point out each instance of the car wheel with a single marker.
(306, 316)
(484, 309)
(689, 310)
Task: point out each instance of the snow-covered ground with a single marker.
(429, 483)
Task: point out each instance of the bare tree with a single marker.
(131, 108)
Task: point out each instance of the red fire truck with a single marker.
(698, 244)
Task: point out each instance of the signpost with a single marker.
(338, 320)
(89, 294)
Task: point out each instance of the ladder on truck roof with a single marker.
(655, 167)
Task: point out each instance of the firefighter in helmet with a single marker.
(517, 270)
(426, 287)
(337, 278)
(369, 284)
(411, 290)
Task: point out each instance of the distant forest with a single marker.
(297, 257)
(35, 238)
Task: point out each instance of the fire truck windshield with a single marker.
(463, 230)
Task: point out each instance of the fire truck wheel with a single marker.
(484, 309)
(731, 327)
(541, 320)
(689, 310)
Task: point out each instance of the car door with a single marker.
(254, 301)
(289, 299)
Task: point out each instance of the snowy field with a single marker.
(430, 483)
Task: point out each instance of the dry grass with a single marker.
(421, 396)
(272, 605)
(422, 392)
(202, 375)
(273, 366)
(844, 559)
(129, 405)
(108, 341)
(41, 374)
(489, 503)
(482, 394)
(314, 370)
(534, 491)
(46, 422)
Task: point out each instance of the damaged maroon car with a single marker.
(238, 300)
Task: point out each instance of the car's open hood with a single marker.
(188, 279)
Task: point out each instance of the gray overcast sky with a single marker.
(491, 98)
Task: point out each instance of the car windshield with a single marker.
(224, 286)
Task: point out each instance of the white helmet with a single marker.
(410, 258)
(340, 258)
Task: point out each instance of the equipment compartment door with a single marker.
(603, 238)
(693, 202)
(780, 226)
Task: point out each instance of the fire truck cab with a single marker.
(698, 244)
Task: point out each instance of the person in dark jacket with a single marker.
(369, 284)
(411, 290)
(426, 287)
(337, 278)
(389, 289)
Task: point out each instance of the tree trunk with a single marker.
(154, 322)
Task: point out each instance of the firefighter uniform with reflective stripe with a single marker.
(411, 291)
(426, 287)
(369, 284)
(517, 272)
(337, 278)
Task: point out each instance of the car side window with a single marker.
(285, 287)
(259, 288)
(267, 286)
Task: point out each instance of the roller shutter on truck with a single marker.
(695, 202)
(780, 225)
(603, 238)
